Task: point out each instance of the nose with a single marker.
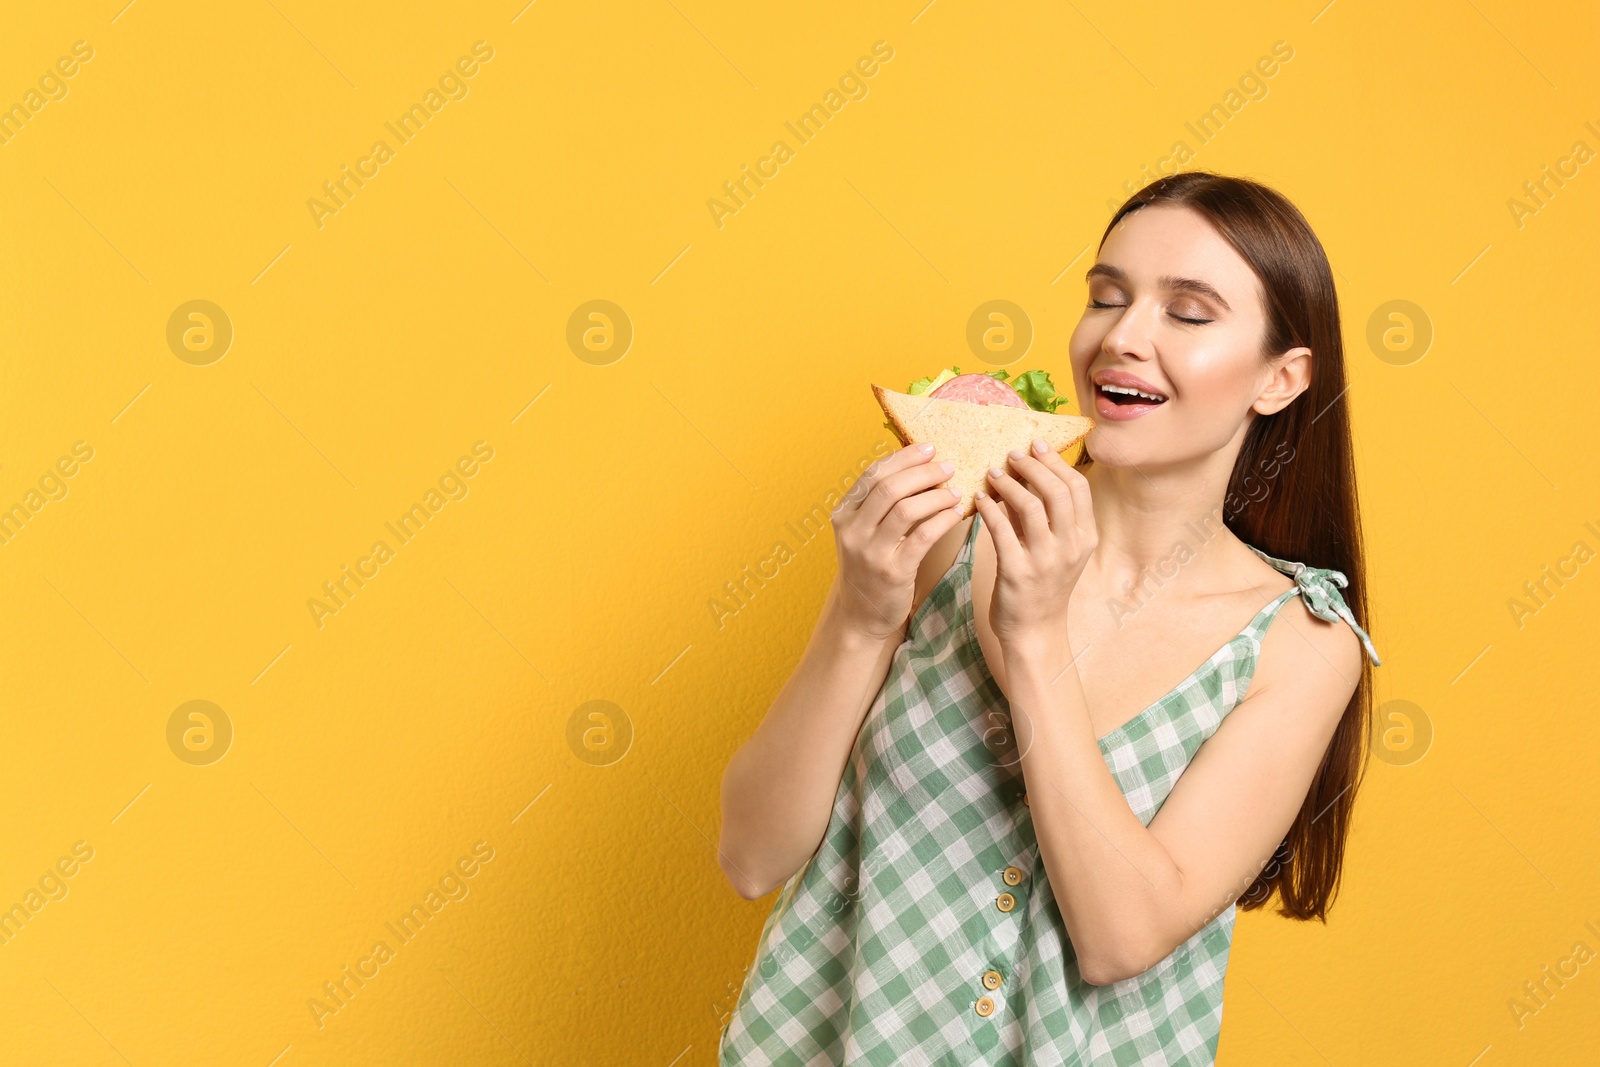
(1131, 336)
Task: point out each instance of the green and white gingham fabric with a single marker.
(874, 952)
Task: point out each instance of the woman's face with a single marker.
(1173, 310)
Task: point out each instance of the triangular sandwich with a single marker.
(975, 436)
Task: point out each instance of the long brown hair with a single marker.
(1292, 493)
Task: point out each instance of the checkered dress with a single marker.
(923, 932)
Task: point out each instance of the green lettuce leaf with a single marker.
(1040, 393)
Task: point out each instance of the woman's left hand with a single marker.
(1043, 530)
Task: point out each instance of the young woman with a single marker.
(1009, 829)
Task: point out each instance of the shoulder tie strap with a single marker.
(1319, 588)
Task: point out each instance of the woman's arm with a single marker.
(779, 787)
(1131, 894)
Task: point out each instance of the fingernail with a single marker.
(1039, 446)
(996, 473)
(925, 448)
(981, 495)
(1017, 453)
(947, 467)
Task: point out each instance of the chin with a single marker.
(1150, 453)
(1125, 451)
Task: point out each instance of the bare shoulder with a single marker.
(1310, 655)
(1304, 675)
(1315, 659)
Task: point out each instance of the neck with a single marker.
(1152, 521)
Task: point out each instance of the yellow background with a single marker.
(429, 312)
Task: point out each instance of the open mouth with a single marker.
(1123, 396)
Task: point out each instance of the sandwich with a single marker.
(975, 420)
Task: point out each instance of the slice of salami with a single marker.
(979, 389)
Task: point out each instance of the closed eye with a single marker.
(1180, 318)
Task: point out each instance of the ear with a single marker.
(1290, 376)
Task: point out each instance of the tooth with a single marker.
(1131, 392)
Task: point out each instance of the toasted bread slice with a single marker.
(975, 437)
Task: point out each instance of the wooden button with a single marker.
(1005, 902)
(985, 1006)
(1012, 875)
(991, 979)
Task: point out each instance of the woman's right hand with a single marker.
(882, 529)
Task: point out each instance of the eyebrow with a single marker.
(1166, 281)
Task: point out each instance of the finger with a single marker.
(917, 543)
(1082, 499)
(1006, 517)
(1076, 484)
(895, 487)
(1010, 514)
(1027, 510)
(910, 510)
(1007, 550)
(896, 461)
(1047, 484)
